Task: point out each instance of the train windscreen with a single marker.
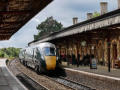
(49, 51)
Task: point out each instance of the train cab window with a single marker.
(49, 51)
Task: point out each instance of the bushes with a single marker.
(10, 52)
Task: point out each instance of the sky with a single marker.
(63, 11)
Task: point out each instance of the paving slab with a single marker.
(7, 80)
(5, 88)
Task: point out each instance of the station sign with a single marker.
(93, 63)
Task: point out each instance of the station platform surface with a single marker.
(7, 80)
(101, 70)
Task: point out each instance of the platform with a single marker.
(101, 70)
(7, 80)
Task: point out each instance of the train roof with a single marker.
(45, 44)
(41, 45)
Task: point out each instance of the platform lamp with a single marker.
(83, 44)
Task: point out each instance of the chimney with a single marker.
(89, 15)
(118, 4)
(104, 7)
(75, 20)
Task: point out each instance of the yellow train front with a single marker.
(50, 58)
(47, 57)
(50, 62)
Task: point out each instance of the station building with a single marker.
(99, 36)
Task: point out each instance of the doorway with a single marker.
(115, 54)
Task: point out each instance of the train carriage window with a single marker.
(49, 51)
(34, 52)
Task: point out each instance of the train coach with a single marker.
(22, 55)
(41, 57)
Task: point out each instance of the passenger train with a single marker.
(41, 57)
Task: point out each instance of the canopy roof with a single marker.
(15, 13)
(97, 25)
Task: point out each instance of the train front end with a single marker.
(50, 57)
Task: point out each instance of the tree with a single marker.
(96, 14)
(48, 26)
(10, 52)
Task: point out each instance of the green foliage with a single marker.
(10, 52)
(48, 26)
(96, 14)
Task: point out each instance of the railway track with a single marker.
(32, 83)
(74, 84)
(29, 82)
(69, 83)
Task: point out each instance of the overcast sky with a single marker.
(61, 11)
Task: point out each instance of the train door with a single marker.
(37, 57)
(29, 57)
(34, 59)
(23, 56)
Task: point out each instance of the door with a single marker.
(34, 59)
(115, 54)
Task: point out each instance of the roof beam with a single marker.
(12, 22)
(8, 28)
(7, 31)
(4, 1)
(9, 34)
(13, 17)
(16, 12)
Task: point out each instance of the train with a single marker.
(42, 57)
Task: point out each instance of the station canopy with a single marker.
(16, 13)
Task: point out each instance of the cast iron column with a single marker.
(109, 63)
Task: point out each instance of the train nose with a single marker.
(50, 62)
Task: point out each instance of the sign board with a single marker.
(93, 64)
